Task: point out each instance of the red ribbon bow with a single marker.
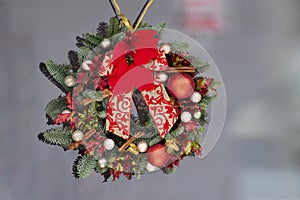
(133, 64)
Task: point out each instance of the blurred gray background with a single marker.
(258, 54)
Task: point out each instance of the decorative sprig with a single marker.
(57, 136)
(102, 30)
(114, 27)
(179, 47)
(56, 107)
(73, 58)
(84, 166)
(56, 74)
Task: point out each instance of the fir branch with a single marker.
(57, 136)
(203, 119)
(178, 47)
(83, 42)
(55, 73)
(168, 170)
(102, 30)
(83, 53)
(144, 25)
(73, 58)
(160, 28)
(114, 27)
(79, 42)
(100, 170)
(141, 162)
(200, 65)
(214, 84)
(207, 100)
(136, 126)
(59, 72)
(83, 166)
(95, 95)
(93, 39)
(175, 133)
(56, 107)
(106, 175)
(154, 141)
(199, 136)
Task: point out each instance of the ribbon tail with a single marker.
(161, 109)
(118, 114)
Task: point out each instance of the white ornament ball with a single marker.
(151, 168)
(85, 65)
(196, 97)
(66, 112)
(142, 147)
(197, 115)
(105, 43)
(186, 117)
(163, 76)
(77, 135)
(102, 162)
(70, 81)
(166, 48)
(109, 144)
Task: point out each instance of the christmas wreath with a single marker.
(132, 103)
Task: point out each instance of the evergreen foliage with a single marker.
(102, 30)
(83, 42)
(207, 100)
(93, 39)
(83, 53)
(114, 27)
(160, 28)
(175, 133)
(155, 140)
(55, 107)
(56, 74)
(57, 136)
(84, 166)
(73, 58)
(178, 47)
(200, 65)
(96, 95)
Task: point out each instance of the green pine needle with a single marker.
(56, 107)
(113, 27)
(84, 166)
(83, 53)
(179, 47)
(200, 65)
(207, 100)
(58, 72)
(174, 134)
(57, 136)
(156, 140)
(160, 28)
(93, 39)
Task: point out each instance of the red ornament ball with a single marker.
(158, 156)
(181, 85)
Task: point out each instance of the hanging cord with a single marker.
(125, 20)
(113, 7)
(142, 14)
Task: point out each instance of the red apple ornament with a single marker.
(181, 85)
(158, 156)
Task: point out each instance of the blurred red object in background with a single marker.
(204, 15)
